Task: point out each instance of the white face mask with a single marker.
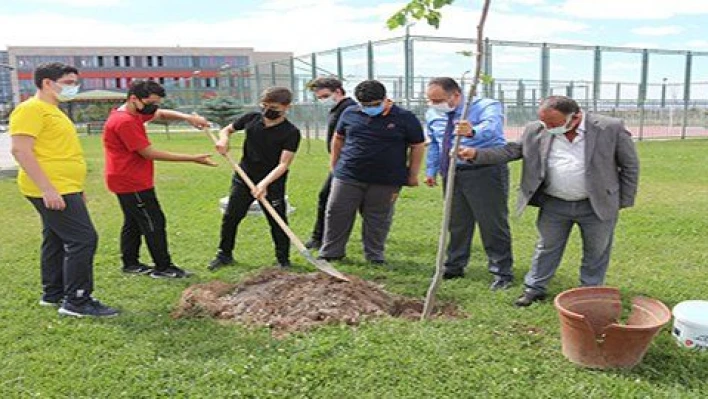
(68, 92)
(559, 129)
(327, 101)
(442, 107)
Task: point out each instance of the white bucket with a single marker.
(691, 324)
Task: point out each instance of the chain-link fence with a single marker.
(659, 93)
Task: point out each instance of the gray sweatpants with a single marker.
(375, 202)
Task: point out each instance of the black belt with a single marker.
(463, 167)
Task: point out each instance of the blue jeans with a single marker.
(555, 221)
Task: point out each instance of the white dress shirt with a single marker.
(566, 166)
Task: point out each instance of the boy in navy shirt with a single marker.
(377, 149)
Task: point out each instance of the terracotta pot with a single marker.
(591, 335)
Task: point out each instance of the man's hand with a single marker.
(260, 191)
(431, 181)
(198, 121)
(464, 128)
(204, 159)
(53, 201)
(467, 153)
(222, 146)
(412, 181)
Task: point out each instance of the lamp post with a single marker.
(462, 80)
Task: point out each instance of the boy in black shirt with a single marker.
(268, 150)
(329, 92)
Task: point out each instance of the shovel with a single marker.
(320, 264)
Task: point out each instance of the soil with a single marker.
(290, 302)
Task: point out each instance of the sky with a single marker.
(304, 26)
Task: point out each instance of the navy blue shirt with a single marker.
(375, 149)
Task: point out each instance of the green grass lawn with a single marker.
(661, 251)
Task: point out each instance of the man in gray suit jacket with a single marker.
(578, 168)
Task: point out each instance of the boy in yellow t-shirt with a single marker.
(52, 174)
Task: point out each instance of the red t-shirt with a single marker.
(124, 135)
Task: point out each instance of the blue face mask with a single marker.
(68, 92)
(373, 111)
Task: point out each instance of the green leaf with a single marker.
(486, 79)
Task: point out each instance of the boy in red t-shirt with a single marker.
(130, 175)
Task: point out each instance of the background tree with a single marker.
(221, 110)
(166, 103)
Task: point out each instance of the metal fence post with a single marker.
(293, 78)
(618, 95)
(273, 80)
(370, 60)
(686, 93)
(520, 94)
(259, 86)
(488, 66)
(643, 91)
(545, 69)
(597, 78)
(313, 63)
(407, 66)
(340, 64)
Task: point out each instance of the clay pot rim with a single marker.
(577, 316)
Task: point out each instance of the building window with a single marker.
(126, 59)
(160, 61)
(116, 61)
(100, 61)
(149, 60)
(118, 86)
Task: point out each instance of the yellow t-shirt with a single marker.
(56, 146)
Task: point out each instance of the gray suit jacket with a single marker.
(611, 164)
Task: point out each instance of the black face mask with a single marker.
(148, 109)
(272, 114)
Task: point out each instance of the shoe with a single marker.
(313, 244)
(453, 274)
(501, 283)
(528, 297)
(284, 264)
(379, 262)
(172, 271)
(91, 308)
(220, 262)
(140, 268)
(330, 258)
(51, 302)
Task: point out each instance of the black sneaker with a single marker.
(313, 244)
(140, 268)
(171, 272)
(379, 262)
(501, 283)
(453, 274)
(54, 303)
(220, 262)
(91, 308)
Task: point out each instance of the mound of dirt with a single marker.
(288, 302)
